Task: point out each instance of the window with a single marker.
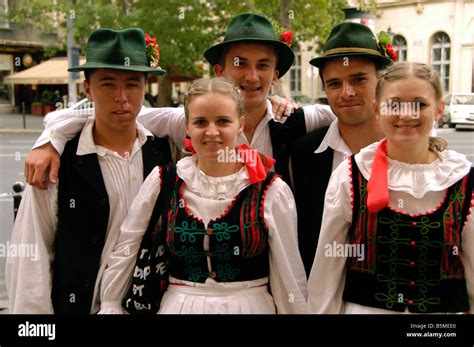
(295, 74)
(4, 22)
(441, 56)
(400, 46)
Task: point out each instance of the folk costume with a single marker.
(408, 247)
(272, 137)
(315, 156)
(232, 241)
(75, 223)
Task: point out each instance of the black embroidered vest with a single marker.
(237, 241)
(311, 173)
(412, 262)
(83, 214)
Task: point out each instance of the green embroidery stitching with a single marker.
(226, 272)
(195, 273)
(423, 225)
(190, 254)
(222, 230)
(222, 252)
(189, 232)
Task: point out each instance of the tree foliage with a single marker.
(184, 28)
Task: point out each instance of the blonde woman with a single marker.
(230, 227)
(398, 231)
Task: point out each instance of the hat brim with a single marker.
(286, 56)
(96, 65)
(319, 61)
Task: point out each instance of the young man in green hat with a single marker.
(348, 68)
(75, 223)
(254, 57)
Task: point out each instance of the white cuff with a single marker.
(111, 307)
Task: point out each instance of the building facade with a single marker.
(19, 50)
(438, 33)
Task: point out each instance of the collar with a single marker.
(333, 140)
(86, 143)
(417, 179)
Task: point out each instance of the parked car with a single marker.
(459, 110)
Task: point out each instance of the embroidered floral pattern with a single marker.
(227, 272)
(412, 254)
(216, 251)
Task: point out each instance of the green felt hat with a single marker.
(252, 28)
(352, 39)
(120, 50)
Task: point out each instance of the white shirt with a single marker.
(413, 189)
(169, 121)
(334, 140)
(29, 282)
(207, 198)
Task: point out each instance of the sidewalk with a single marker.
(13, 123)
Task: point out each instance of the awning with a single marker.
(53, 71)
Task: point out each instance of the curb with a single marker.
(3, 306)
(20, 131)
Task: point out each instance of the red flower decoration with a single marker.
(385, 45)
(286, 37)
(391, 52)
(148, 39)
(152, 51)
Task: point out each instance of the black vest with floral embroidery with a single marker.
(412, 262)
(233, 247)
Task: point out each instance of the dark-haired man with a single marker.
(348, 69)
(74, 225)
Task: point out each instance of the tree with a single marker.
(184, 28)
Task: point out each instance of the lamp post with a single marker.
(73, 59)
(390, 33)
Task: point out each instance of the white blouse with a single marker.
(413, 189)
(207, 198)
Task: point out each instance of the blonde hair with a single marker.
(215, 85)
(422, 71)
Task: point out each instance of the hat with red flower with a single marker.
(121, 50)
(353, 39)
(250, 27)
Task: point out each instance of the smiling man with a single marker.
(254, 57)
(348, 68)
(76, 222)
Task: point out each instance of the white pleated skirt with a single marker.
(211, 297)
